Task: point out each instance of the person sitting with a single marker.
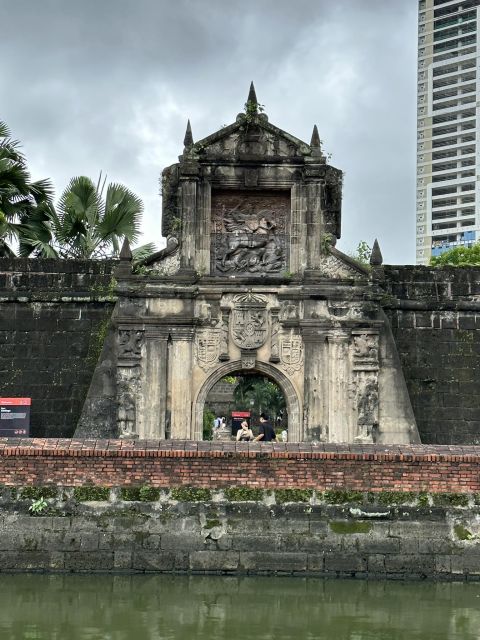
(266, 431)
(244, 434)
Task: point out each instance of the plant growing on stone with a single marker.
(38, 506)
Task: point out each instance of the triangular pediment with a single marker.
(248, 138)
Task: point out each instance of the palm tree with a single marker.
(24, 204)
(86, 225)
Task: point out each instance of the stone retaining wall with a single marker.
(342, 534)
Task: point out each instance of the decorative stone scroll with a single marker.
(249, 321)
(207, 348)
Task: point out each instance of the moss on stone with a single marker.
(422, 499)
(395, 497)
(462, 532)
(35, 493)
(293, 495)
(190, 494)
(450, 499)
(339, 496)
(140, 494)
(210, 524)
(91, 494)
(149, 494)
(346, 527)
(241, 494)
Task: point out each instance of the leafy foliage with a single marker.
(208, 418)
(363, 253)
(458, 257)
(88, 225)
(24, 205)
(261, 394)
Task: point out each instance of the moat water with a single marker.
(61, 607)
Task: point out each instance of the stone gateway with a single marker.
(251, 281)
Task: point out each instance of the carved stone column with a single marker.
(129, 344)
(180, 383)
(339, 407)
(365, 371)
(315, 385)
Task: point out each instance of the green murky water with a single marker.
(68, 607)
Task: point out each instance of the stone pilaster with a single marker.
(315, 385)
(153, 404)
(179, 384)
(339, 407)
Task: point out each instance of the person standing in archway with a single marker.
(266, 431)
(244, 434)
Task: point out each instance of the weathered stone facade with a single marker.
(251, 281)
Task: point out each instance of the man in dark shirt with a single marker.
(266, 431)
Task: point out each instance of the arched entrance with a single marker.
(295, 430)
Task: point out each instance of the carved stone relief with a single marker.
(365, 371)
(291, 353)
(130, 343)
(207, 348)
(127, 388)
(367, 406)
(288, 311)
(249, 231)
(249, 321)
(333, 267)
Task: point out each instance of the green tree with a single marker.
(88, 225)
(259, 394)
(458, 257)
(24, 205)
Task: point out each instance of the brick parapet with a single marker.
(437, 469)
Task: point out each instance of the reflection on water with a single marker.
(39, 607)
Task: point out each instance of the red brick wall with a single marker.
(173, 463)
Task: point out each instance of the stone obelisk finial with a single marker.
(315, 142)
(124, 268)
(376, 258)
(252, 96)
(188, 139)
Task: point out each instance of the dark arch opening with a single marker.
(263, 369)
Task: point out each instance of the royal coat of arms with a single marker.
(249, 322)
(291, 353)
(207, 349)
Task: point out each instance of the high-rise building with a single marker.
(448, 131)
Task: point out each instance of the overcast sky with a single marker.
(90, 85)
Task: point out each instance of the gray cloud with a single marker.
(108, 85)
